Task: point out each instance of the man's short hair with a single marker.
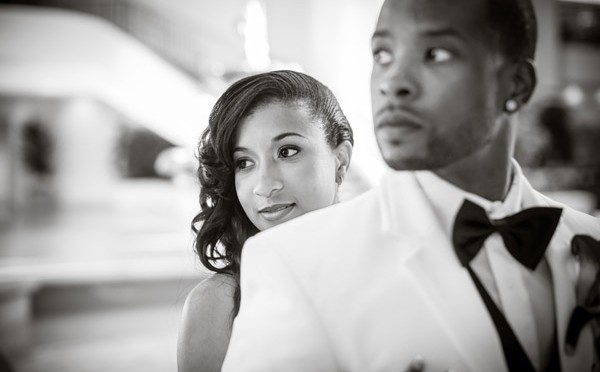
(515, 25)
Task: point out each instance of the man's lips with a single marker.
(394, 117)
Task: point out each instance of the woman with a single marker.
(277, 146)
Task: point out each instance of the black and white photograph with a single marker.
(300, 185)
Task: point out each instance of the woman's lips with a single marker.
(276, 211)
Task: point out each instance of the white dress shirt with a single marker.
(524, 296)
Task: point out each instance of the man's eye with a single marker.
(287, 152)
(382, 57)
(438, 55)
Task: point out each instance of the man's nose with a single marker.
(400, 80)
(269, 181)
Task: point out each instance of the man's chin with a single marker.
(406, 164)
(400, 160)
(403, 156)
(416, 164)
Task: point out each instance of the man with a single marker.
(430, 263)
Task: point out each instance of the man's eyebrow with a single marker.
(281, 136)
(431, 32)
(438, 32)
(380, 33)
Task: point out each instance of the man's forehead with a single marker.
(462, 5)
(468, 15)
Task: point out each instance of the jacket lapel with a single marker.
(432, 263)
(564, 277)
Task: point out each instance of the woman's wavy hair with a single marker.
(222, 227)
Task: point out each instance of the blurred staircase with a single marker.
(176, 44)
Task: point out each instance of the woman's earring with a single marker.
(511, 105)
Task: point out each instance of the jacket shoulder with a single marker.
(577, 221)
(581, 222)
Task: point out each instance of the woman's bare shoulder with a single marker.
(217, 287)
(205, 328)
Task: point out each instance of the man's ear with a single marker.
(523, 81)
(343, 155)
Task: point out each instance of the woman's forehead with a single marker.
(271, 120)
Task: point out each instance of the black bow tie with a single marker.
(525, 234)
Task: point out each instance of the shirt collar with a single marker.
(446, 198)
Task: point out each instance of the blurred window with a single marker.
(138, 150)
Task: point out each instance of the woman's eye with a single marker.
(438, 55)
(243, 164)
(287, 152)
(382, 57)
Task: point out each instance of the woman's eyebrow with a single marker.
(278, 137)
(239, 148)
(281, 136)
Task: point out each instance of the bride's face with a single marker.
(283, 165)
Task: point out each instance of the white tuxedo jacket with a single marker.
(369, 284)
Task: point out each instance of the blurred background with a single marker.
(101, 105)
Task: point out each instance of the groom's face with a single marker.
(434, 83)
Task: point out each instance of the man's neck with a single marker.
(491, 183)
(487, 172)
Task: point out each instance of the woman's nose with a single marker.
(269, 181)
